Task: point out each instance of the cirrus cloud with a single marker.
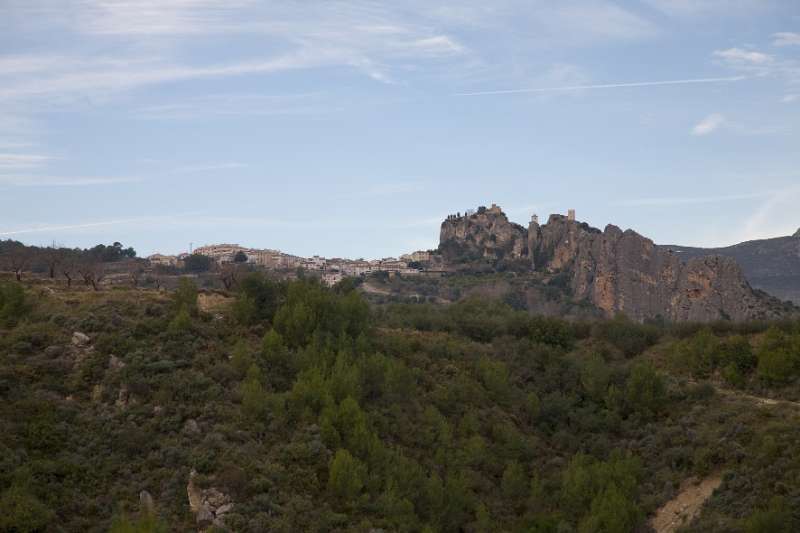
(708, 125)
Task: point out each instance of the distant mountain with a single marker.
(772, 265)
(612, 270)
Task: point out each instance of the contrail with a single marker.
(606, 86)
(73, 226)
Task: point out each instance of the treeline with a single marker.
(55, 261)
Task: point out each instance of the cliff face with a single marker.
(772, 265)
(615, 270)
(486, 233)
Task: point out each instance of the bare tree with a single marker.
(18, 259)
(53, 257)
(92, 272)
(69, 265)
(135, 272)
(228, 274)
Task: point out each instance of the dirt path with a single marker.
(758, 400)
(366, 287)
(682, 509)
(686, 505)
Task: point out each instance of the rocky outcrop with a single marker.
(619, 271)
(772, 265)
(80, 339)
(208, 505)
(486, 233)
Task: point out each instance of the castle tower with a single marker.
(534, 219)
(571, 215)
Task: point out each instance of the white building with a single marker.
(331, 278)
(163, 260)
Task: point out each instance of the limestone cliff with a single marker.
(614, 270)
(486, 233)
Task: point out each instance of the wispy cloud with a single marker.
(99, 80)
(786, 38)
(668, 201)
(15, 180)
(704, 8)
(744, 56)
(22, 160)
(708, 125)
(606, 86)
(192, 169)
(385, 189)
(789, 98)
(776, 215)
(47, 228)
(239, 104)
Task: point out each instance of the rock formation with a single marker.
(614, 270)
(208, 505)
(487, 233)
(772, 265)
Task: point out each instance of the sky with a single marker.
(352, 128)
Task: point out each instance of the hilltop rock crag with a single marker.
(616, 271)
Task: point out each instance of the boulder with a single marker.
(146, 503)
(123, 397)
(222, 509)
(214, 498)
(80, 339)
(191, 427)
(204, 516)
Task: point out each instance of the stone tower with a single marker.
(571, 215)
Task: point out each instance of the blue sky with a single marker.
(352, 128)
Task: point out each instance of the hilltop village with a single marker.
(330, 270)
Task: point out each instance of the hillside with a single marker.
(772, 265)
(612, 270)
(291, 407)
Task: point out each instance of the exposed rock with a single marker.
(194, 493)
(97, 393)
(146, 503)
(797, 233)
(191, 427)
(80, 339)
(214, 498)
(204, 516)
(123, 398)
(157, 409)
(208, 505)
(224, 508)
(772, 265)
(616, 271)
(486, 233)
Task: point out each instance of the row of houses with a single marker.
(331, 270)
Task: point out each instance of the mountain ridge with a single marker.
(614, 270)
(771, 265)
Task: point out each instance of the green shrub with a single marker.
(22, 512)
(13, 304)
(645, 391)
(777, 518)
(185, 297)
(346, 476)
(699, 354)
(631, 338)
(778, 357)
